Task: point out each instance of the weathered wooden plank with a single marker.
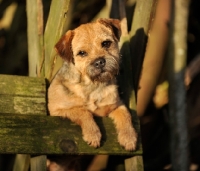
(22, 105)
(22, 86)
(22, 95)
(54, 135)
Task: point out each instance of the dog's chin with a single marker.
(102, 76)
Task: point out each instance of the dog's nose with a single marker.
(99, 63)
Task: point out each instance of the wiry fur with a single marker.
(86, 83)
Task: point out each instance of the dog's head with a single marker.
(93, 49)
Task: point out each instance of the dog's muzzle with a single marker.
(103, 69)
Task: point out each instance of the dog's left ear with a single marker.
(63, 47)
(113, 24)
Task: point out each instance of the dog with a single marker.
(86, 83)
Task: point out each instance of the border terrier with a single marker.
(86, 83)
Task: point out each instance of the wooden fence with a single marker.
(37, 134)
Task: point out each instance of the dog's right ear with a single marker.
(63, 47)
(113, 24)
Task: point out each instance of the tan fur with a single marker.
(86, 83)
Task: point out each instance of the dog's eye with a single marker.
(82, 53)
(106, 44)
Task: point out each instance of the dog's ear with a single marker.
(113, 24)
(63, 47)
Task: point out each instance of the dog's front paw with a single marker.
(127, 138)
(92, 136)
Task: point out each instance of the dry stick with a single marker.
(141, 24)
(40, 20)
(35, 37)
(176, 65)
(55, 26)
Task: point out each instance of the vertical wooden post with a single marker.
(126, 83)
(54, 30)
(177, 94)
(141, 24)
(134, 164)
(35, 37)
(41, 52)
(22, 162)
(38, 163)
(126, 80)
(36, 58)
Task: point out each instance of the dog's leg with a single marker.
(127, 136)
(82, 117)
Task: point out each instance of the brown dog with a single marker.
(86, 83)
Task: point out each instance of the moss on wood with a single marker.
(54, 135)
(22, 95)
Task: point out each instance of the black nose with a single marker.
(99, 63)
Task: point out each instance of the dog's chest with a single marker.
(102, 99)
